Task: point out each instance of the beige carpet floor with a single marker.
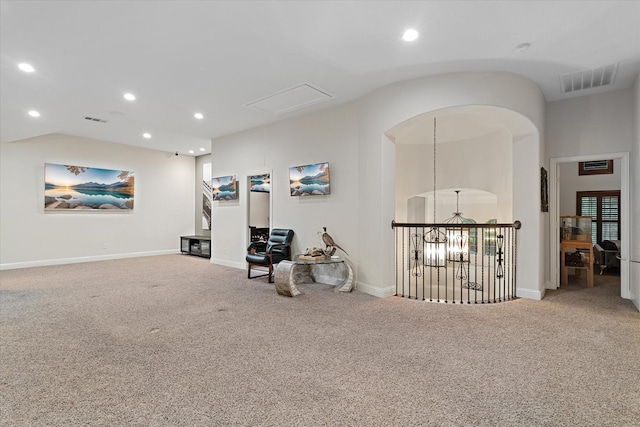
(176, 341)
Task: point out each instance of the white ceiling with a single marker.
(216, 57)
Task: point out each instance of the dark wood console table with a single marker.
(196, 245)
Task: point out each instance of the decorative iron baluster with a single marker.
(416, 250)
(496, 245)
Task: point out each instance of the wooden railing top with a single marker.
(516, 224)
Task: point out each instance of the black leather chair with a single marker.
(276, 249)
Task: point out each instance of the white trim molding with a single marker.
(376, 292)
(227, 263)
(530, 294)
(62, 261)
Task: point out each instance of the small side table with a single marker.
(336, 272)
(585, 248)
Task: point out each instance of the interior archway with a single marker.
(473, 154)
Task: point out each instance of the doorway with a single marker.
(569, 196)
(259, 206)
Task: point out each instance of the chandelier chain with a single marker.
(434, 170)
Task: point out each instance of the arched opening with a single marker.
(474, 154)
(468, 157)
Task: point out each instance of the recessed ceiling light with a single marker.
(410, 35)
(129, 97)
(190, 151)
(523, 47)
(27, 68)
(146, 135)
(202, 149)
(34, 113)
(198, 116)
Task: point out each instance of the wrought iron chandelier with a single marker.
(459, 238)
(457, 235)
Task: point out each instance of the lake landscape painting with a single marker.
(260, 183)
(224, 188)
(310, 180)
(81, 188)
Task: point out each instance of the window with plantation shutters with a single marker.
(604, 209)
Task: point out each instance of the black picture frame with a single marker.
(544, 190)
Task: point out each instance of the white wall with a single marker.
(327, 136)
(592, 125)
(635, 202)
(387, 107)
(571, 182)
(482, 163)
(361, 207)
(164, 201)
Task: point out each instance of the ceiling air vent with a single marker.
(581, 80)
(94, 119)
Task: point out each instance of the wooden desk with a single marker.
(586, 249)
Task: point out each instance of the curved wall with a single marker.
(482, 163)
(385, 108)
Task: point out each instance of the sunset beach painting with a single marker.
(81, 188)
(310, 180)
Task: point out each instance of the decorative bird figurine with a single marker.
(331, 245)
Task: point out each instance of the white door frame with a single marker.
(554, 216)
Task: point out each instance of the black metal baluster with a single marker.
(446, 271)
(482, 266)
(396, 257)
(510, 264)
(431, 284)
(404, 292)
(515, 260)
(475, 273)
(422, 264)
(499, 263)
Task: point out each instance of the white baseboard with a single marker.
(61, 261)
(376, 292)
(227, 263)
(530, 294)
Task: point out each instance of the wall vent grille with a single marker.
(94, 119)
(588, 79)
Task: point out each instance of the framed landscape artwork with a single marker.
(224, 188)
(261, 183)
(86, 189)
(310, 180)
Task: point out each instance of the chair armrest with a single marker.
(280, 245)
(257, 247)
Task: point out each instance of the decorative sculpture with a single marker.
(313, 252)
(330, 244)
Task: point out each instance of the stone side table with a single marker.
(337, 272)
